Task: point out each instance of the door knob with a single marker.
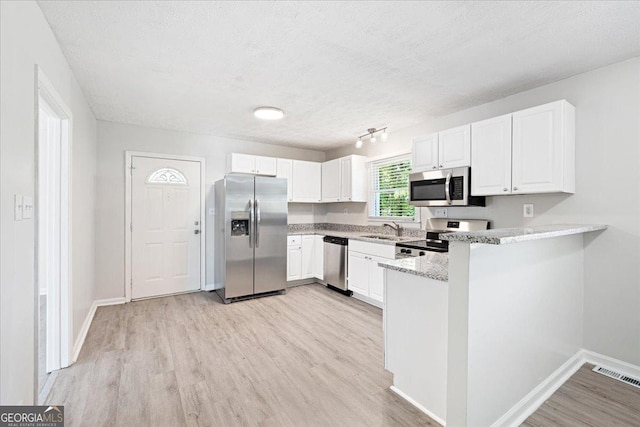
(196, 231)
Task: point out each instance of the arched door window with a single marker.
(167, 176)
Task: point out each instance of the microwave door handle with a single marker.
(251, 223)
(447, 184)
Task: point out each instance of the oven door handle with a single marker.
(447, 184)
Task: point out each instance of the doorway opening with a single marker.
(52, 236)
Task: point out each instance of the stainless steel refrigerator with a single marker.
(250, 236)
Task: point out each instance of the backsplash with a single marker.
(374, 229)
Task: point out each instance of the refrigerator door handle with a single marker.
(257, 223)
(251, 221)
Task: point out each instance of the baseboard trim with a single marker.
(77, 346)
(532, 401)
(368, 300)
(417, 405)
(611, 363)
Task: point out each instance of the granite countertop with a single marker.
(501, 236)
(359, 235)
(434, 265)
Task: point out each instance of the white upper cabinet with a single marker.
(353, 179)
(543, 149)
(454, 147)
(246, 163)
(425, 153)
(331, 172)
(284, 169)
(447, 149)
(527, 152)
(491, 156)
(307, 182)
(266, 165)
(345, 179)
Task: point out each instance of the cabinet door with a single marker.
(331, 181)
(454, 147)
(308, 263)
(294, 263)
(307, 181)
(491, 156)
(284, 169)
(537, 149)
(242, 163)
(376, 279)
(358, 273)
(266, 165)
(318, 255)
(358, 179)
(345, 179)
(425, 153)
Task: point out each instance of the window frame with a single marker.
(378, 161)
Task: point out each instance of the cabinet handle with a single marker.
(504, 189)
(515, 188)
(434, 167)
(440, 165)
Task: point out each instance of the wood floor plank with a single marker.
(310, 357)
(589, 399)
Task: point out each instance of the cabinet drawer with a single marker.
(376, 249)
(294, 240)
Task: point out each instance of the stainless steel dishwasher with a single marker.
(335, 263)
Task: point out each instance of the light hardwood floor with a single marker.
(311, 357)
(589, 399)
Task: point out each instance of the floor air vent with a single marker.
(617, 376)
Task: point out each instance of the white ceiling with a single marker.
(336, 68)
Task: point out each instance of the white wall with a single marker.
(26, 40)
(116, 138)
(607, 104)
(518, 310)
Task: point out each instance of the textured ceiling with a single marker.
(336, 68)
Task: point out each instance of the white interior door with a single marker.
(165, 226)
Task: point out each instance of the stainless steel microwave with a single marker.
(445, 187)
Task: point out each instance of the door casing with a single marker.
(128, 205)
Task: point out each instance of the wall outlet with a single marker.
(527, 210)
(442, 213)
(345, 211)
(17, 207)
(27, 207)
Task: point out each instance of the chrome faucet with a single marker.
(397, 227)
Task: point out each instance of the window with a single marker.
(167, 176)
(389, 189)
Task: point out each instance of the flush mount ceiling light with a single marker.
(268, 113)
(371, 135)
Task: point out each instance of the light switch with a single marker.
(17, 207)
(27, 207)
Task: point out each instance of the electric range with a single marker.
(435, 227)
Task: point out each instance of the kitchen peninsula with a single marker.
(485, 335)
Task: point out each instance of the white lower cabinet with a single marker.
(365, 277)
(318, 256)
(308, 264)
(294, 258)
(305, 257)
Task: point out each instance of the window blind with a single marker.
(389, 188)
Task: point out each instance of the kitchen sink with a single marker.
(377, 236)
